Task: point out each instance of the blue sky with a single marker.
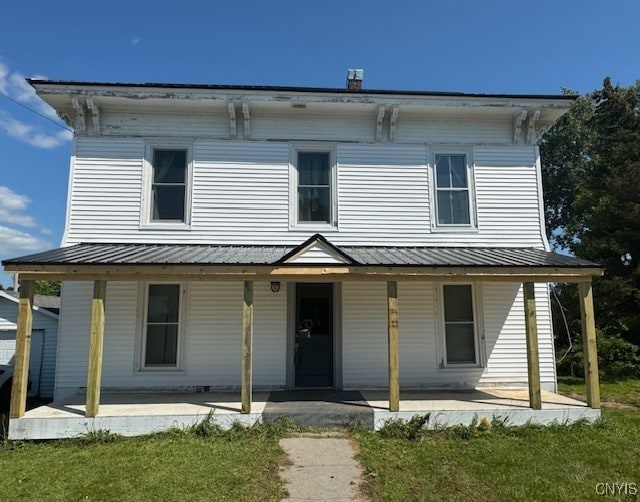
(492, 46)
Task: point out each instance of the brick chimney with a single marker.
(354, 80)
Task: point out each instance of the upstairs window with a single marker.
(453, 194)
(314, 188)
(459, 324)
(169, 186)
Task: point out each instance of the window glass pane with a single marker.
(168, 202)
(162, 344)
(458, 171)
(458, 303)
(445, 216)
(314, 204)
(169, 166)
(313, 168)
(460, 207)
(443, 178)
(453, 207)
(460, 345)
(164, 303)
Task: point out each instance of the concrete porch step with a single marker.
(319, 408)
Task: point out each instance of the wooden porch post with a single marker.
(533, 362)
(19, 386)
(96, 336)
(590, 348)
(394, 371)
(247, 335)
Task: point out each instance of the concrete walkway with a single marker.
(323, 468)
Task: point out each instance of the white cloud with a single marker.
(13, 85)
(30, 135)
(135, 40)
(12, 207)
(15, 243)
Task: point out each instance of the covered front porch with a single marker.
(314, 261)
(138, 413)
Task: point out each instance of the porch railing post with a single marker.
(96, 343)
(590, 348)
(533, 361)
(394, 370)
(19, 386)
(247, 335)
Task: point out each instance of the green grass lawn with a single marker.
(170, 466)
(624, 392)
(522, 463)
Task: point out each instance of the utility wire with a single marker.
(566, 326)
(36, 112)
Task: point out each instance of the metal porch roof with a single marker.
(205, 254)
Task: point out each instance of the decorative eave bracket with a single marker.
(79, 123)
(95, 115)
(379, 118)
(233, 130)
(393, 122)
(247, 119)
(517, 125)
(532, 137)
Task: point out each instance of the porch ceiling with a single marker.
(126, 261)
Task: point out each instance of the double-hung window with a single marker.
(459, 324)
(453, 190)
(314, 188)
(169, 185)
(162, 326)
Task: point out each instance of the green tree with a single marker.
(47, 288)
(591, 177)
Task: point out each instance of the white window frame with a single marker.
(146, 220)
(312, 147)
(141, 345)
(478, 330)
(472, 226)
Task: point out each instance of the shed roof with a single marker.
(210, 254)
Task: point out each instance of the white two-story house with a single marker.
(252, 238)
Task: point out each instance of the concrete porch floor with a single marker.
(137, 413)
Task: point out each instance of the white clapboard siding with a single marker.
(318, 253)
(240, 195)
(241, 189)
(106, 190)
(415, 129)
(505, 334)
(212, 123)
(213, 329)
(364, 334)
(383, 192)
(307, 125)
(507, 193)
(365, 337)
(41, 322)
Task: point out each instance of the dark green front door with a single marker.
(313, 360)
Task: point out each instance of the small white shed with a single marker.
(44, 340)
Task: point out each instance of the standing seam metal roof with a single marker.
(203, 254)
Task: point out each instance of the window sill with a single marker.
(165, 226)
(454, 229)
(451, 368)
(311, 227)
(159, 369)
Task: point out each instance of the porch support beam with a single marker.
(394, 369)
(19, 386)
(247, 335)
(590, 348)
(533, 361)
(96, 342)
